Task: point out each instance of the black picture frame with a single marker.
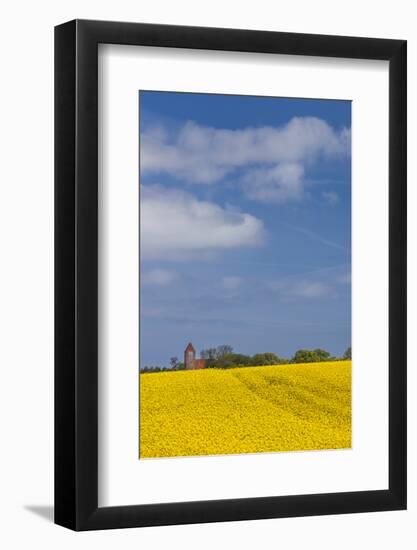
(76, 273)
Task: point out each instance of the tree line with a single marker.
(223, 357)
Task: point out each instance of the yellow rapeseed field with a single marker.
(246, 410)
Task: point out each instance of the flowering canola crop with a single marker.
(246, 410)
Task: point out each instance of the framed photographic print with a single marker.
(230, 252)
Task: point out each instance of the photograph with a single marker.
(209, 267)
(245, 274)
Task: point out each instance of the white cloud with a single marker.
(199, 154)
(176, 225)
(311, 289)
(159, 277)
(278, 184)
(331, 197)
(231, 283)
(302, 289)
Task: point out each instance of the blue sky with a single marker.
(245, 224)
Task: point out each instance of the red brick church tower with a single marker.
(189, 356)
(190, 361)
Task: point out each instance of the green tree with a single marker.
(311, 356)
(209, 355)
(348, 353)
(305, 356)
(224, 362)
(216, 357)
(322, 354)
(223, 350)
(239, 359)
(267, 358)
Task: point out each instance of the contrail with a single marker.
(316, 237)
